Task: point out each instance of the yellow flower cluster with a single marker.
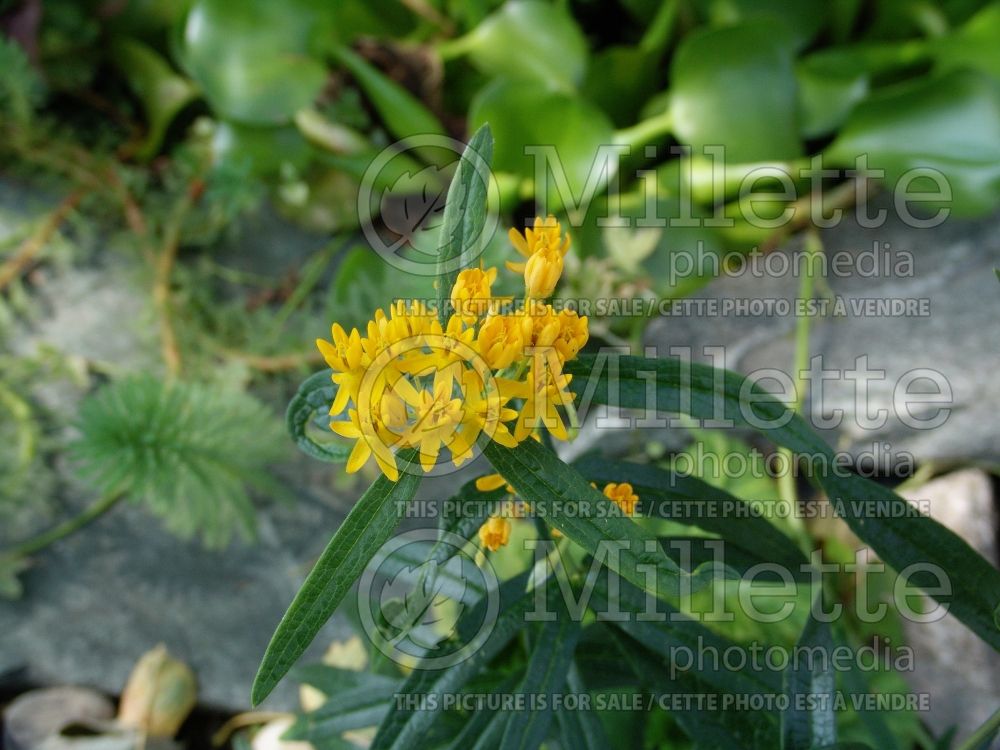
(408, 381)
(495, 533)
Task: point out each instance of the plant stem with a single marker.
(786, 480)
(657, 36)
(643, 132)
(43, 540)
(165, 261)
(985, 732)
(20, 260)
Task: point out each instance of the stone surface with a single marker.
(959, 671)
(95, 602)
(952, 269)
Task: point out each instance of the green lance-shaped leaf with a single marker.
(353, 700)
(464, 215)
(899, 534)
(486, 725)
(406, 724)
(366, 528)
(314, 395)
(653, 651)
(560, 495)
(545, 676)
(701, 504)
(580, 729)
(809, 720)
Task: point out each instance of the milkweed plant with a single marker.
(604, 605)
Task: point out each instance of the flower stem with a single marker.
(43, 540)
(986, 731)
(786, 480)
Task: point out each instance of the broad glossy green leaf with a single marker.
(700, 504)
(254, 60)
(367, 527)
(553, 124)
(161, 90)
(898, 533)
(735, 86)
(560, 495)
(804, 20)
(266, 149)
(529, 39)
(405, 726)
(950, 124)
(805, 726)
(619, 81)
(550, 660)
(354, 700)
(827, 94)
(314, 397)
(464, 219)
(403, 114)
(973, 45)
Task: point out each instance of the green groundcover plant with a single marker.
(616, 623)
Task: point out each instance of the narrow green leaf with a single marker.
(899, 534)
(546, 675)
(354, 700)
(803, 725)
(704, 720)
(406, 725)
(560, 495)
(403, 114)
(464, 513)
(314, 395)
(702, 505)
(485, 726)
(367, 527)
(464, 215)
(580, 729)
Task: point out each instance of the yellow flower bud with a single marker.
(502, 339)
(495, 533)
(542, 272)
(471, 294)
(622, 495)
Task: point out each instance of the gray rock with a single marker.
(34, 719)
(96, 601)
(952, 269)
(959, 671)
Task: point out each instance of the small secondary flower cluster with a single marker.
(407, 381)
(495, 533)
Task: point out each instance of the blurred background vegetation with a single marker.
(156, 129)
